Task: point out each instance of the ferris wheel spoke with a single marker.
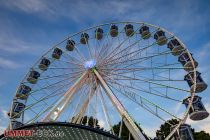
(86, 103)
(136, 60)
(137, 69)
(148, 81)
(80, 54)
(71, 62)
(143, 102)
(53, 85)
(118, 47)
(70, 75)
(104, 48)
(38, 101)
(73, 59)
(128, 48)
(57, 90)
(111, 80)
(125, 60)
(104, 107)
(73, 117)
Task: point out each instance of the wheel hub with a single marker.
(90, 64)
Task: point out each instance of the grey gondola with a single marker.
(129, 30)
(197, 110)
(175, 46)
(33, 77)
(113, 30)
(70, 45)
(200, 84)
(144, 31)
(23, 92)
(57, 53)
(160, 37)
(84, 38)
(99, 33)
(44, 64)
(186, 62)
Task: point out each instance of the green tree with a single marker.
(90, 121)
(202, 135)
(125, 132)
(165, 128)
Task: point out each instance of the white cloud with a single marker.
(29, 6)
(6, 63)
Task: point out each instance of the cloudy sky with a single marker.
(30, 27)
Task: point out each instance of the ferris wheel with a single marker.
(121, 71)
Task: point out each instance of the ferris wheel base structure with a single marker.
(61, 131)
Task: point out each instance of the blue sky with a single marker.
(29, 28)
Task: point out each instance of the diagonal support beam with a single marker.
(79, 116)
(134, 130)
(64, 102)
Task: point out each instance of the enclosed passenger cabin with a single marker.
(16, 124)
(144, 31)
(44, 64)
(57, 53)
(129, 30)
(17, 109)
(84, 38)
(113, 30)
(160, 37)
(184, 133)
(99, 33)
(197, 110)
(200, 84)
(175, 46)
(70, 45)
(185, 60)
(23, 92)
(33, 77)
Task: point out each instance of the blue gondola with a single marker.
(200, 84)
(84, 38)
(144, 31)
(17, 109)
(113, 30)
(44, 64)
(33, 77)
(99, 33)
(175, 46)
(23, 92)
(197, 110)
(70, 45)
(129, 30)
(57, 53)
(16, 124)
(185, 60)
(160, 37)
(184, 132)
